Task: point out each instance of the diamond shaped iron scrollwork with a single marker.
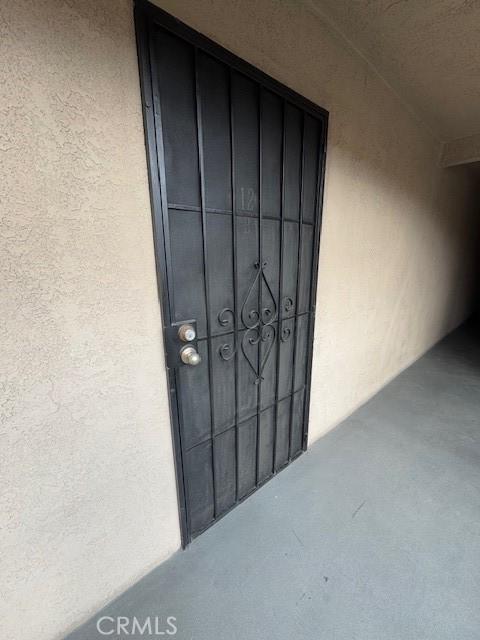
(258, 323)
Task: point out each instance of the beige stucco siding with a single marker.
(88, 500)
(87, 485)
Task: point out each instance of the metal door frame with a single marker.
(146, 15)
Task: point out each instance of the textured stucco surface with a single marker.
(87, 485)
(88, 491)
(462, 151)
(427, 51)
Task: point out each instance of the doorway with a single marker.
(236, 164)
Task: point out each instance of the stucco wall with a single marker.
(88, 500)
(461, 151)
(88, 492)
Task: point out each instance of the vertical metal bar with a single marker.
(235, 277)
(297, 292)
(205, 264)
(162, 180)
(158, 195)
(280, 288)
(260, 280)
(321, 157)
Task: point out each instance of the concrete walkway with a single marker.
(373, 534)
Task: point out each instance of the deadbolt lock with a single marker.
(189, 355)
(186, 333)
(181, 343)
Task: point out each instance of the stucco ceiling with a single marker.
(428, 51)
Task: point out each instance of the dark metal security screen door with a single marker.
(236, 165)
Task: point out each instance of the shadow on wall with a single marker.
(474, 169)
(397, 266)
(461, 234)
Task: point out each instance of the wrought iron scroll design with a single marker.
(258, 323)
(288, 304)
(226, 351)
(225, 317)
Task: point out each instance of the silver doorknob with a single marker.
(189, 355)
(186, 333)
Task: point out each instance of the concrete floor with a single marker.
(373, 534)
